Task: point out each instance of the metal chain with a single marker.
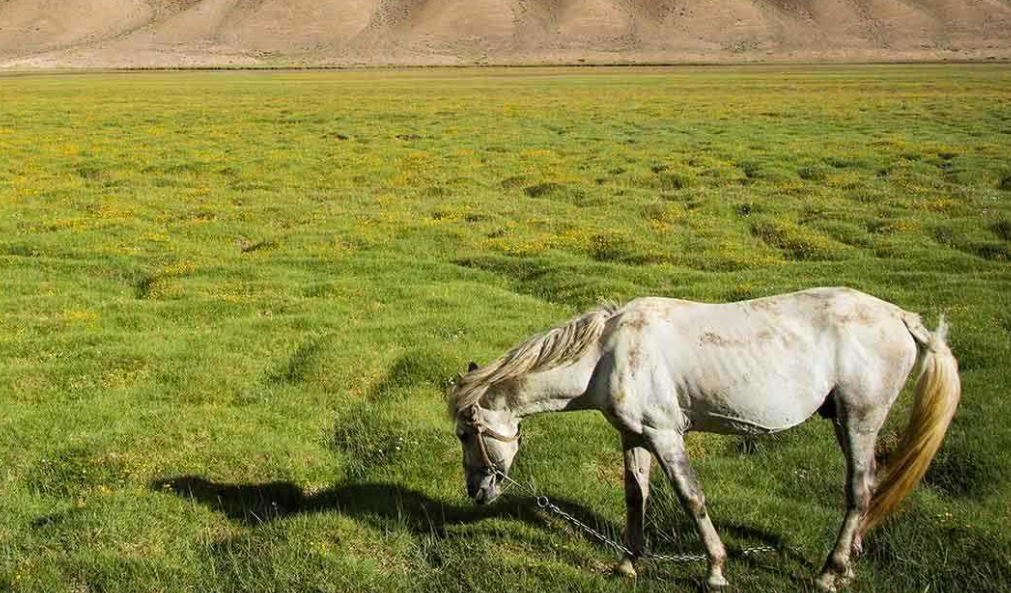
(544, 503)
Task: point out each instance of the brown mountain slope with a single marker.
(139, 33)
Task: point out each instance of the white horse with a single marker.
(658, 368)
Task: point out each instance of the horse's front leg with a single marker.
(669, 448)
(638, 462)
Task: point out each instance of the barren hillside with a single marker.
(145, 33)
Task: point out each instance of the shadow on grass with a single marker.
(380, 503)
(254, 504)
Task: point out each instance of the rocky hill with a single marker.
(172, 33)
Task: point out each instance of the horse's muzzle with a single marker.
(485, 490)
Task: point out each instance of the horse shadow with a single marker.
(379, 503)
(375, 503)
(256, 504)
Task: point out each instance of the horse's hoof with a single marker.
(847, 579)
(825, 582)
(716, 582)
(625, 568)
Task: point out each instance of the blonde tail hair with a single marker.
(938, 391)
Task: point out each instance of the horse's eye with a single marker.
(462, 436)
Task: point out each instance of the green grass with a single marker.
(230, 304)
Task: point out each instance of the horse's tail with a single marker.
(938, 391)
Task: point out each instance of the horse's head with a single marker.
(490, 440)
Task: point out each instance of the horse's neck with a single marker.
(555, 390)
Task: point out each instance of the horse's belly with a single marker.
(754, 395)
(740, 420)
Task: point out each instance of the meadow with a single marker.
(231, 304)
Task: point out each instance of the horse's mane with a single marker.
(540, 353)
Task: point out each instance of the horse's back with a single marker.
(755, 366)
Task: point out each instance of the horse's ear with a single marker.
(472, 367)
(458, 378)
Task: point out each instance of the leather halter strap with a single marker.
(483, 431)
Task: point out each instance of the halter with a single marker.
(482, 431)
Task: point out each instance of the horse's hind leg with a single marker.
(638, 462)
(857, 433)
(670, 451)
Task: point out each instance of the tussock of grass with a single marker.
(1002, 229)
(795, 241)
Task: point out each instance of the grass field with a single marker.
(230, 304)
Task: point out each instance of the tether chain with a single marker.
(544, 503)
